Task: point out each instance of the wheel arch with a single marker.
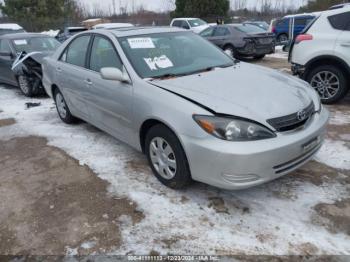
(327, 60)
(148, 124)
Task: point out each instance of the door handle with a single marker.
(58, 69)
(88, 82)
(345, 44)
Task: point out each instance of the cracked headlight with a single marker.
(231, 129)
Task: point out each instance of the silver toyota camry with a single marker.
(195, 112)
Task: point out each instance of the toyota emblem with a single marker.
(301, 115)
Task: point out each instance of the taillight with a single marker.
(301, 38)
(273, 30)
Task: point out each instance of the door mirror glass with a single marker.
(114, 74)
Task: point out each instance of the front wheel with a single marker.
(25, 86)
(62, 108)
(230, 51)
(330, 82)
(167, 158)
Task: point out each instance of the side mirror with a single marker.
(7, 54)
(114, 74)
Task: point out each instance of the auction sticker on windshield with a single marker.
(20, 42)
(160, 62)
(141, 43)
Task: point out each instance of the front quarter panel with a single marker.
(154, 103)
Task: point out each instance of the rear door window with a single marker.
(76, 52)
(340, 21)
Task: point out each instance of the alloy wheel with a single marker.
(326, 83)
(163, 158)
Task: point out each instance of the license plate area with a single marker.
(311, 144)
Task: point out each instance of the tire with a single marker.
(324, 80)
(25, 86)
(230, 50)
(62, 108)
(258, 57)
(282, 38)
(162, 148)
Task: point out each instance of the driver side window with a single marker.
(103, 55)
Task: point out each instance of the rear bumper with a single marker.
(257, 50)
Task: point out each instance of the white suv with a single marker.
(321, 54)
(195, 24)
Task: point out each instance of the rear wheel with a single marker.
(329, 81)
(282, 38)
(230, 51)
(167, 157)
(62, 108)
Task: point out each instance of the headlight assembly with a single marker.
(231, 129)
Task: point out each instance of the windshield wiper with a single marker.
(168, 75)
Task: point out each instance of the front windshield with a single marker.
(196, 22)
(249, 29)
(181, 53)
(35, 44)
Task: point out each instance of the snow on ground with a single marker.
(340, 118)
(279, 53)
(275, 218)
(335, 153)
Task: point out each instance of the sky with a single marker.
(162, 5)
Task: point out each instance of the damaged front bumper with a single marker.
(298, 70)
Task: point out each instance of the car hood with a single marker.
(39, 56)
(244, 90)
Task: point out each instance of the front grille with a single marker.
(293, 121)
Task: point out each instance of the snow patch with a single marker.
(340, 118)
(187, 222)
(335, 154)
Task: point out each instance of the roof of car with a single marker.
(339, 6)
(132, 31)
(185, 18)
(10, 26)
(23, 35)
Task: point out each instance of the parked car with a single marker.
(10, 29)
(112, 25)
(21, 57)
(321, 55)
(281, 27)
(262, 24)
(157, 90)
(68, 32)
(194, 24)
(339, 6)
(241, 40)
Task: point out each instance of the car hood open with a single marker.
(244, 90)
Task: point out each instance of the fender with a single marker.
(325, 57)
